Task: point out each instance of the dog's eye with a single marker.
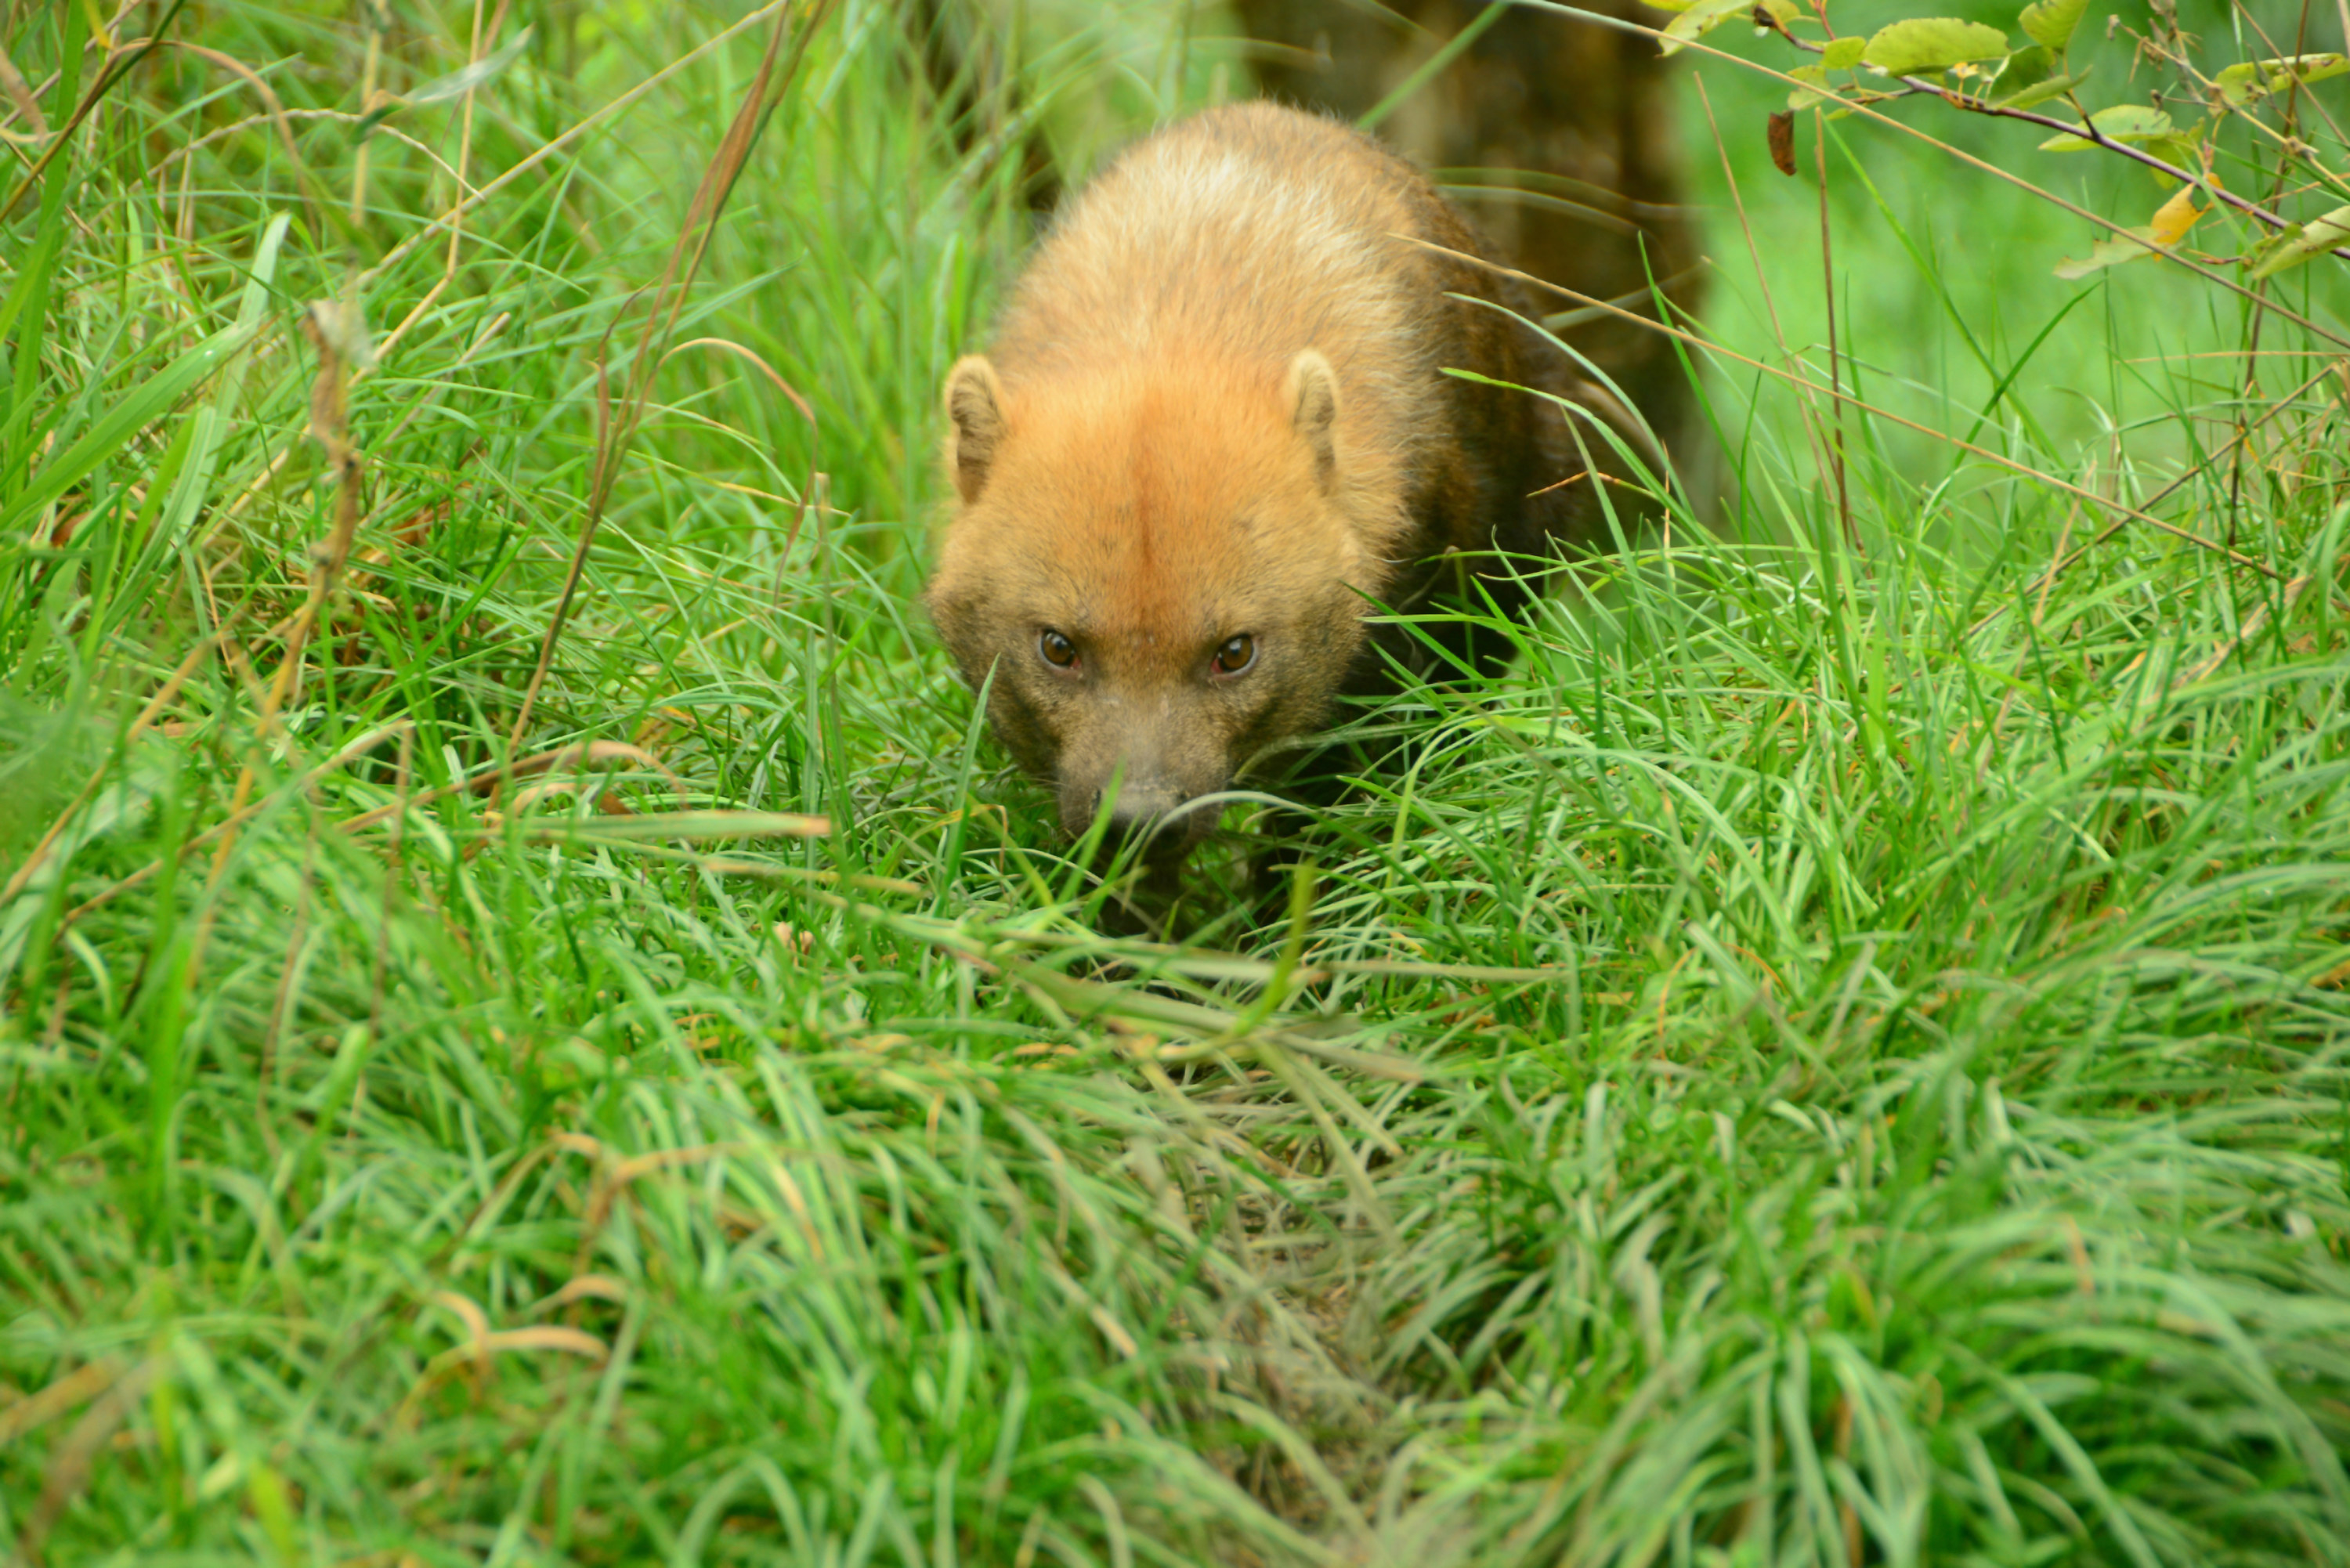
(1235, 656)
(1057, 651)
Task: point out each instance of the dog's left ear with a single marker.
(1313, 399)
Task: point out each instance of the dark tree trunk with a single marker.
(1555, 135)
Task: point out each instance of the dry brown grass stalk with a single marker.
(616, 432)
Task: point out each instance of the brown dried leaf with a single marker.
(551, 1337)
(1782, 142)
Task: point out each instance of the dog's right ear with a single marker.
(975, 424)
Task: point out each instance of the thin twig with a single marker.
(331, 426)
(1640, 30)
(1912, 87)
(230, 825)
(274, 107)
(378, 20)
(332, 332)
(398, 253)
(20, 96)
(332, 430)
(467, 201)
(118, 66)
(668, 299)
(1836, 377)
(492, 777)
(1812, 418)
(2063, 560)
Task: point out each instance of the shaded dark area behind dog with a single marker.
(1555, 135)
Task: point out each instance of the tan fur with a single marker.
(1215, 408)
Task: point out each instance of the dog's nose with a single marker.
(1143, 817)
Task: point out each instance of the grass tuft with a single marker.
(1838, 1057)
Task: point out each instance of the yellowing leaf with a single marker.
(2174, 218)
(265, 1489)
(2180, 151)
(2049, 23)
(1702, 17)
(2240, 85)
(2122, 122)
(1843, 54)
(1931, 43)
(2306, 242)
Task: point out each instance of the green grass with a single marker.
(1843, 1050)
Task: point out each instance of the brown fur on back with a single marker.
(1216, 407)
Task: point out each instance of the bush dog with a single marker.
(1215, 434)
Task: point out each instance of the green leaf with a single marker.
(213, 422)
(2049, 23)
(2305, 242)
(1702, 17)
(2041, 92)
(1815, 89)
(456, 84)
(2129, 245)
(264, 1489)
(2026, 73)
(460, 82)
(150, 401)
(2240, 85)
(1931, 43)
(1843, 54)
(2122, 123)
(696, 826)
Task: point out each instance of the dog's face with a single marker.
(1150, 575)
